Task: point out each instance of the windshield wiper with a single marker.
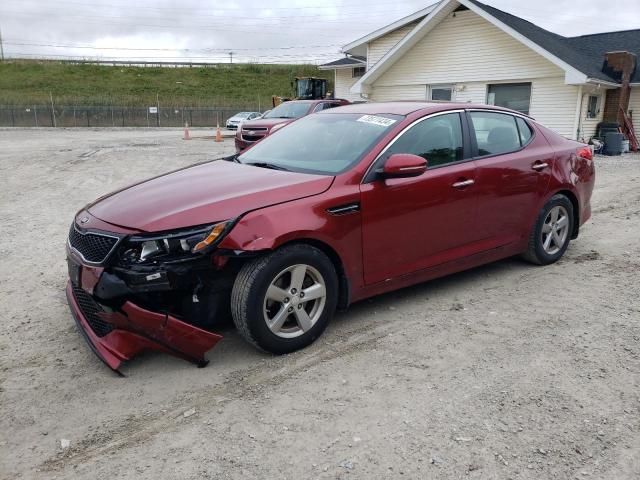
(272, 166)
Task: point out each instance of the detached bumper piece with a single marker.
(118, 336)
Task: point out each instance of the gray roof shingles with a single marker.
(585, 53)
(355, 61)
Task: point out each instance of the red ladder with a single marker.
(629, 131)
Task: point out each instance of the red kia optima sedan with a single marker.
(339, 206)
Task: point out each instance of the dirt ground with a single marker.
(508, 371)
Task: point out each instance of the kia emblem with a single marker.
(252, 132)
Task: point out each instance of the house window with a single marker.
(440, 93)
(358, 72)
(593, 106)
(516, 96)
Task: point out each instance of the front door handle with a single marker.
(540, 166)
(463, 184)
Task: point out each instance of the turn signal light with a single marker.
(212, 237)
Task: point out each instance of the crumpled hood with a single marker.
(201, 194)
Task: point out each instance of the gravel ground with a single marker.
(504, 371)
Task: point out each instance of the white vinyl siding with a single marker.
(471, 53)
(343, 82)
(634, 105)
(379, 47)
(472, 92)
(467, 48)
(554, 105)
(399, 92)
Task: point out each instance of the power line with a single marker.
(128, 20)
(214, 28)
(110, 59)
(181, 9)
(208, 49)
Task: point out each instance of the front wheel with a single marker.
(552, 232)
(283, 301)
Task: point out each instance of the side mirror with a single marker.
(403, 165)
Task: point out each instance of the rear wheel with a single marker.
(283, 301)
(552, 232)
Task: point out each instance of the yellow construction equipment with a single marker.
(306, 88)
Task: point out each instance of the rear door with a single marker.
(514, 168)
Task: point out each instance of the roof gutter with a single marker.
(605, 82)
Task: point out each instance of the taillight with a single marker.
(585, 152)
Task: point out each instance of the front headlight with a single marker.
(185, 242)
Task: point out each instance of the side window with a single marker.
(496, 133)
(525, 131)
(437, 139)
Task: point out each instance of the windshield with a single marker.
(327, 143)
(242, 114)
(289, 110)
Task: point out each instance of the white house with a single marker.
(466, 51)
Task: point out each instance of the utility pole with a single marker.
(1, 48)
(231, 57)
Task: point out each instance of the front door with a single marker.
(410, 224)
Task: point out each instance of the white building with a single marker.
(466, 51)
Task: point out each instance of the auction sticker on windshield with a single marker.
(375, 120)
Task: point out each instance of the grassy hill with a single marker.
(29, 82)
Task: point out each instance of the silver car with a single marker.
(238, 118)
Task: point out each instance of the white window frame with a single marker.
(598, 106)
(491, 100)
(353, 71)
(442, 86)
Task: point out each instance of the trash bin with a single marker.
(613, 143)
(625, 146)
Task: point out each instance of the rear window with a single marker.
(525, 131)
(289, 110)
(496, 133)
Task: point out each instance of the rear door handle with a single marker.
(463, 184)
(540, 166)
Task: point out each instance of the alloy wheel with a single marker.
(555, 230)
(294, 301)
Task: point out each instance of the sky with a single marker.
(287, 31)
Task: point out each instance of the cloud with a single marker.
(285, 32)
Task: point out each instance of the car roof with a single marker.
(406, 108)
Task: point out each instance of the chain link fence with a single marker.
(112, 116)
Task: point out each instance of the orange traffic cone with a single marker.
(186, 132)
(218, 134)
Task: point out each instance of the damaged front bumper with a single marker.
(117, 334)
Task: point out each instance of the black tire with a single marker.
(250, 289)
(536, 253)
